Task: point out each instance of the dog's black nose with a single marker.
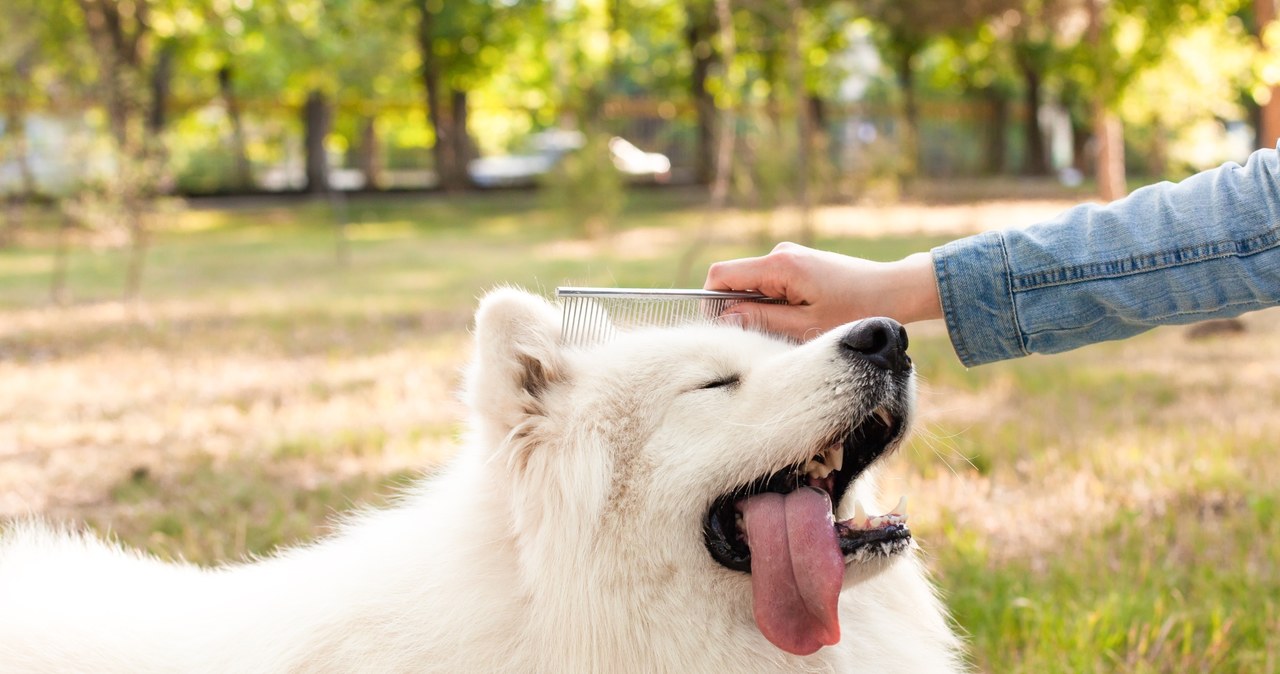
(879, 341)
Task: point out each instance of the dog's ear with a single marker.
(517, 358)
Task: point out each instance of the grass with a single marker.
(1108, 510)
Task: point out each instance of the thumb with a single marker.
(789, 320)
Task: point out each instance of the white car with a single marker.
(547, 149)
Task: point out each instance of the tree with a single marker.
(242, 179)
(700, 31)
(122, 35)
(456, 43)
(317, 120)
(1033, 28)
(1268, 34)
(1108, 132)
(334, 61)
(1186, 95)
(907, 26)
(20, 54)
(1123, 40)
(979, 63)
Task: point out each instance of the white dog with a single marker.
(657, 503)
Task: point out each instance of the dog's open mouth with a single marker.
(830, 471)
(782, 530)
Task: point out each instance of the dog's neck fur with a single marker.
(561, 617)
(295, 611)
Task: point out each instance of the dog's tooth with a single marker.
(859, 514)
(900, 509)
(835, 457)
(883, 415)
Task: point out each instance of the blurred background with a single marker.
(241, 241)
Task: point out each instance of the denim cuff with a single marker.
(977, 299)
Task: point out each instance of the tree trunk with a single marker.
(769, 73)
(1268, 129)
(121, 64)
(450, 148)
(464, 149)
(442, 148)
(1158, 157)
(15, 128)
(317, 118)
(370, 154)
(10, 219)
(824, 169)
(997, 126)
(804, 123)
(1108, 133)
(910, 136)
(119, 32)
(243, 176)
(698, 38)
(728, 122)
(161, 85)
(1037, 163)
(154, 149)
(724, 145)
(15, 124)
(1080, 135)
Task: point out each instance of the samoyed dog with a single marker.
(694, 499)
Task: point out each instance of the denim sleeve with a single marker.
(1208, 247)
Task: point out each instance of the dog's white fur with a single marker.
(565, 537)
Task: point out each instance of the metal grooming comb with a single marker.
(590, 315)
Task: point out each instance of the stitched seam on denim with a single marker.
(1013, 306)
(1153, 322)
(1152, 262)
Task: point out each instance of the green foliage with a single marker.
(1182, 98)
(1172, 67)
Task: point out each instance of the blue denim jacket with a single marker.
(1207, 247)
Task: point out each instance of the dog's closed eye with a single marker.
(730, 380)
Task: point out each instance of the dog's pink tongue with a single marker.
(796, 568)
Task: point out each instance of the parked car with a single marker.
(547, 148)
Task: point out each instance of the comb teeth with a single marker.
(592, 315)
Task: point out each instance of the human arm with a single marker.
(1169, 253)
(1208, 247)
(825, 289)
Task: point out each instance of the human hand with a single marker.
(825, 289)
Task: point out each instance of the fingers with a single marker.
(779, 274)
(748, 273)
(794, 321)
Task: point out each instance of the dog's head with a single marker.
(717, 460)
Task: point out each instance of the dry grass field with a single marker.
(1114, 509)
